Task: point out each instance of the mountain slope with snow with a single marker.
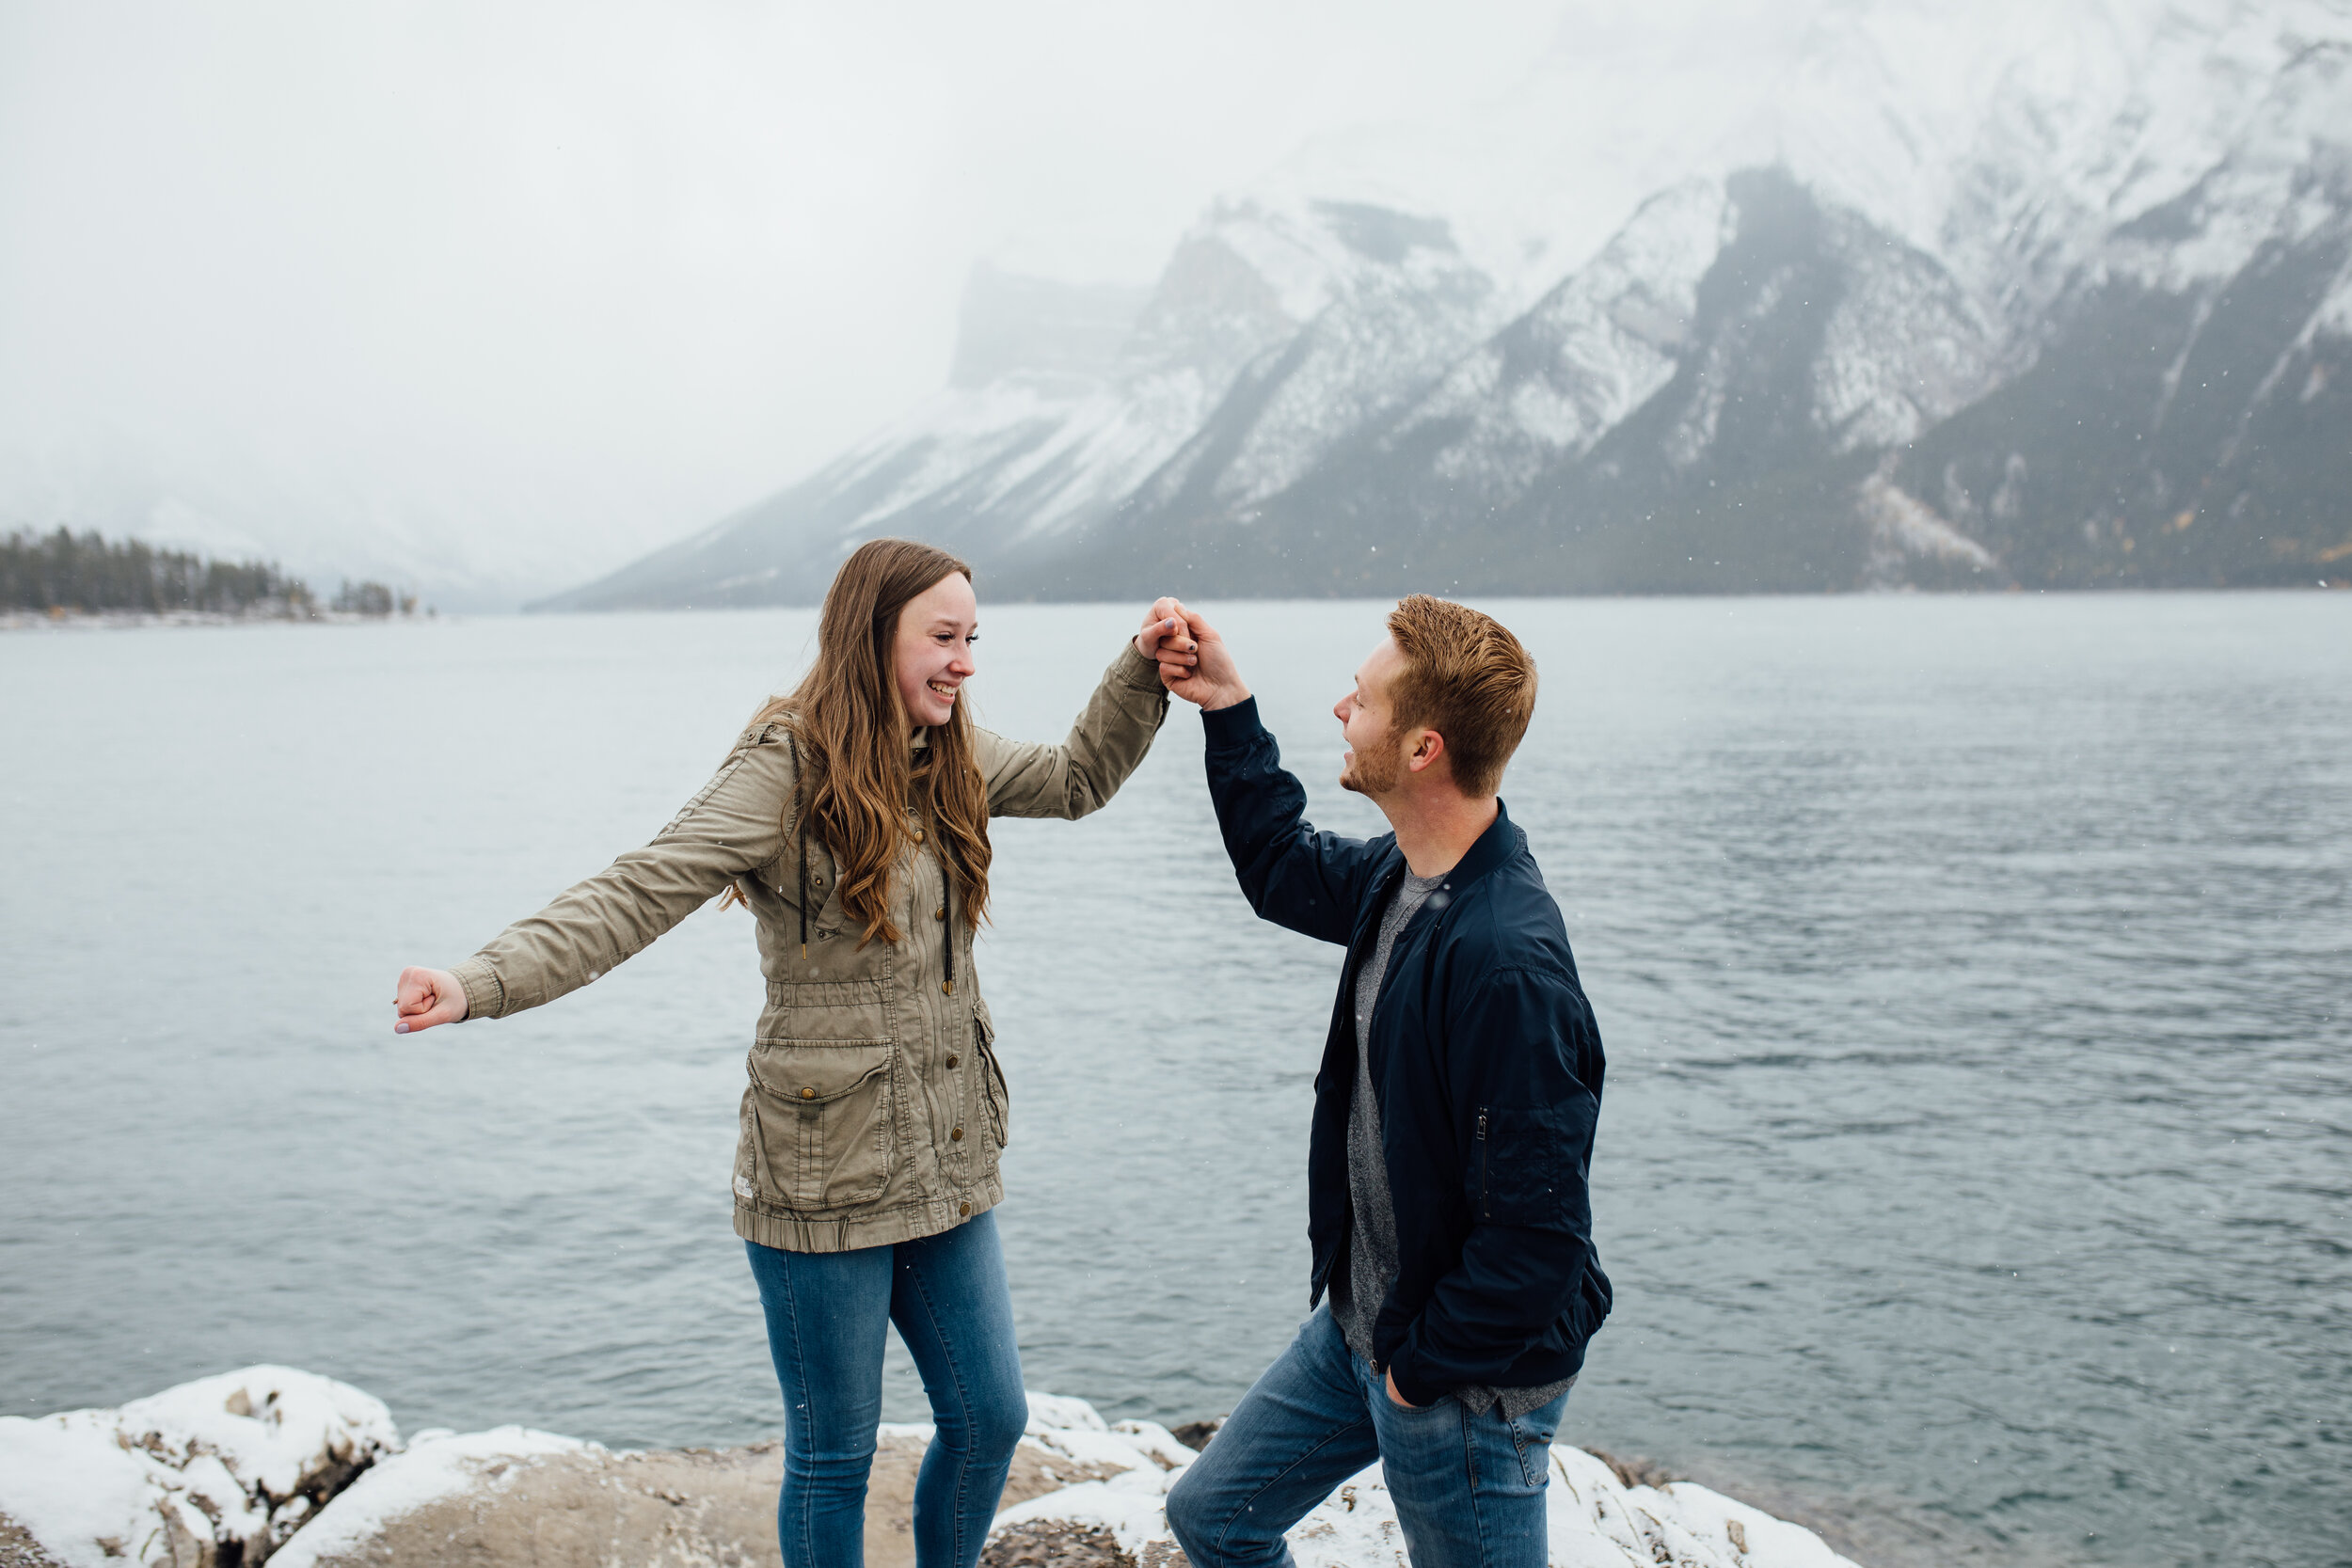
(2044, 295)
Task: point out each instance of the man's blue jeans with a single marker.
(827, 1315)
(1468, 1487)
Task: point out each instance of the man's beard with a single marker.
(1375, 774)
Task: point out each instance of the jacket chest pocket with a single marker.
(780, 879)
(822, 1111)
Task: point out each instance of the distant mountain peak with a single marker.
(1940, 298)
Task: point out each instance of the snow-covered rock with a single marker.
(304, 1472)
(440, 1466)
(1595, 1520)
(239, 1460)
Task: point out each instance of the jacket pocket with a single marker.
(818, 1013)
(782, 877)
(999, 1097)
(822, 1113)
(1528, 1163)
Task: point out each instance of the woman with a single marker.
(852, 818)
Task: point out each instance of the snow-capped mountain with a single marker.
(2049, 293)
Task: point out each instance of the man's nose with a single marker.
(1339, 710)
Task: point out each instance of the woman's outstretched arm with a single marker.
(735, 824)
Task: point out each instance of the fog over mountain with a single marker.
(2049, 294)
(488, 297)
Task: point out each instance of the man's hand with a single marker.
(1209, 678)
(1396, 1399)
(427, 997)
(1164, 639)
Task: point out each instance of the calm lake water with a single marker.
(1976, 1167)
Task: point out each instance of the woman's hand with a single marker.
(427, 997)
(1164, 639)
(1205, 673)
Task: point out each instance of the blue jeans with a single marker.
(827, 1314)
(1468, 1487)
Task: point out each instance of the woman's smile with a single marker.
(933, 649)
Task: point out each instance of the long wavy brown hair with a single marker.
(858, 775)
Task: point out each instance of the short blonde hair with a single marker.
(1466, 677)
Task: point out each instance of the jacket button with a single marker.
(918, 835)
(948, 986)
(940, 914)
(967, 1209)
(808, 1094)
(957, 1134)
(953, 1058)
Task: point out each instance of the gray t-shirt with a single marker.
(1371, 1256)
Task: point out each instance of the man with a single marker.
(1454, 1113)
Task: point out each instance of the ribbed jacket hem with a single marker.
(1141, 674)
(909, 1222)
(486, 993)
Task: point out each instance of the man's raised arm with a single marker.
(1291, 875)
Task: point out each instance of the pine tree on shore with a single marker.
(64, 572)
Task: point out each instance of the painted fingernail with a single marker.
(401, 1028)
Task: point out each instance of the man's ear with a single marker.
(1428, 747)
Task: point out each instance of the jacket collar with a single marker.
(1498, 843)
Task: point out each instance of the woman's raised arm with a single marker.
(1104, 747)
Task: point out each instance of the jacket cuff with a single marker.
(1134, 670)
(1229, 729)
(486, 993)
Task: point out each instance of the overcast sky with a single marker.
(607, 270)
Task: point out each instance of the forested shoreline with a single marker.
(63, 573)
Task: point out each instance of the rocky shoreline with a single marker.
(284, 1466)
(141, 620)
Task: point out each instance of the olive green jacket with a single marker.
(876, 1110)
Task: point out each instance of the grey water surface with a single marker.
(1976, 1166)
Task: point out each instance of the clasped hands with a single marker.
(1194, 661)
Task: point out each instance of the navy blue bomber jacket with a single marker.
(1488, 1072)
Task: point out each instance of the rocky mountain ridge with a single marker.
(2059, 298)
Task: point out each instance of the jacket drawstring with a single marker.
(800, 815)
(946, 910)
(946, 878)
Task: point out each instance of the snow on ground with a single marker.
(244, 1458)
(248, 1458)
(437, 1464)
(1595, 1520)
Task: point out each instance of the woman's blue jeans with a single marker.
(827, 1314)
